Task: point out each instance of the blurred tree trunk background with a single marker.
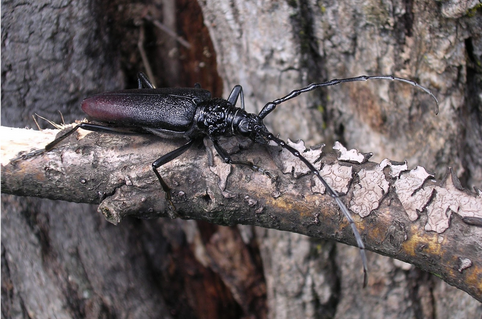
(64, 260)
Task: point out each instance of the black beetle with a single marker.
(193, 114)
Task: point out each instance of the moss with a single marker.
(473, 11)
(322, 8)
(320, 108)
(376, 14)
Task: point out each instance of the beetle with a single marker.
(193, 114)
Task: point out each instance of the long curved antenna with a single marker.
(334, 194)
(270, 106)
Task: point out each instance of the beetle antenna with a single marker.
(334, 194)
(55, 125)
(62, 118)
(269, 107)
(36, 123)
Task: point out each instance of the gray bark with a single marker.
(62, 260)
(57, 53)
(272, 47)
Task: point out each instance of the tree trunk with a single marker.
(54, 55)
(272, 48)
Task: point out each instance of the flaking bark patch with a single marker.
(369, 191)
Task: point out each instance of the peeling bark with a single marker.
(114, 171)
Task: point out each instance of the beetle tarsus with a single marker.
(27, 156)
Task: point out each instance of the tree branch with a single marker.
(404, 214)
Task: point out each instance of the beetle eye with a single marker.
(244, 127)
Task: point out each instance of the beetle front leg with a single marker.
(166, 159)
(227, 159)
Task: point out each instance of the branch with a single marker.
(400, 213)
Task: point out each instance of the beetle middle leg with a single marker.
(166, 159)
(143, 81)
(236, 92)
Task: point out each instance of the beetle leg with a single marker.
(235, 93)
(52, 144)
(209, 152)
(166, 159)
(144, 82)
(89, 127)
(227, 159)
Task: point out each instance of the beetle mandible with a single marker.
(193, 114)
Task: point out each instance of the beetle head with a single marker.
(253, 127)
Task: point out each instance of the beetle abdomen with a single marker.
(171, 109)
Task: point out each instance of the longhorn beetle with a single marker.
(193, 114)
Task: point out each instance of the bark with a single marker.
(115, 173)
(56, 53)
(272, 48)
(62, 260)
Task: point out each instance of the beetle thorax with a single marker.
(216, 117)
